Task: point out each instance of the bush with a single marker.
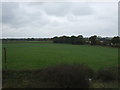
(108, 74)
(68, 76)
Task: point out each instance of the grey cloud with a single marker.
(80, 9)
(13, 15)
(0, 23)
(62, 9)
(9, 11)
(16, 18)
(57, 9)
(50, 19)
(35, 3)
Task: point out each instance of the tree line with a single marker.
(93, 40)
(26, 39)
(76, 40)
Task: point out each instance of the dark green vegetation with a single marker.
(29, 56)
(60, 76)
(93, 40)
(36, 64)
(65, 75)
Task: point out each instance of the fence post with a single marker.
(5, 58)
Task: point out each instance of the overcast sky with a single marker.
(49, 19)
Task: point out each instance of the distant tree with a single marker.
(73, 40)
(93, 39)
(64, 39)
(116, 40)
(81, 40)
(55, 39)
(32, 38)
(80, 36)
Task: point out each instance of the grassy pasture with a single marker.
(37, 55)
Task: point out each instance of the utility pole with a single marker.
(5, 58)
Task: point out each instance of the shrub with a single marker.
(108, 74)
(68, 76)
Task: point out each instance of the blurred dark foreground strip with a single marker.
(59, 76)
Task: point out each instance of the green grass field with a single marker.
(37, 55)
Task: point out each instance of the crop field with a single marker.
(37, 55)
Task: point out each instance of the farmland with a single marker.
(37, 55)
(29, 64)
